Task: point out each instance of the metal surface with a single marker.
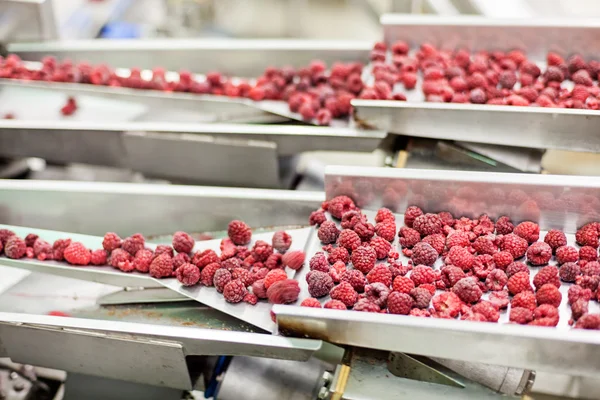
(420, 369)
(240, 57)
(27, 20)
(141, 296)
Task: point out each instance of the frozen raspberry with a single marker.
(261, 250)
(520, 315)
(41, 248)
(515, 267)
(208, 273)
(29, 239)
(496, 280)
(178, 260)
(568, 272)
(338, 254)
(258, 272)
(258, 288)
(274, 261)
(119, 257)
(231, 263)
(528, 230)
(591, 268)
(518, 283)
(319, 284)
(366, 305)
(403, 284)
(348, 239)
(504, 226)
(188, 274)
(345, 293)
(293, 259)
(502, 259)
(458, 238)
(243, 275)
(473, 316)
(515, 245)
(548, 294)
(555, 239)
(318, 262)
(234, 291)
(566, 254)
(421, 297)
(283, 292)
(221, 277)
(437, 241)
(384, 214)
(76, 253)
(335, 305)
(340, 205)
(228, 249)
(460, 257)
(161, 266)
(381, 246)
(430, 287)
(111, 241)
(488, 310)
(316, 218)
(99, 257)
(409, 237)
(447, 218)
(163, 249)
(451, 274)
(548, 312)
(588, 321)
(399, 303)
(351, 218)
(274, 276)
(355, 278)
(411, 214)
(336, 271)
(282, 241)
(485, 226)
(250, 298)
(423, 253)
(386, 230)
(499, 299)
(5, 234)
(364, 258)
(448, 304)
(588, 282)
(417, 312)
(422, 274)
(310, 302)
(484, 245)
(239, 232)
(328, 232)
(365, 231)
(183, 242)
(539, 253)
(587, 235)
(554, 74)
(15, 247)
(524, 299)
(380, 273)
(428, 224)
(133, 243)
(467, 290)
(588, 253)
(579, 308)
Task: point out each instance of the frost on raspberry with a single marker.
(316, 218)
(381, 246)
(133, 243)
(528, 230)
(319, 262)
(524, 299)
(403, 284)
(345, 293)
(515, 245)
(98, 257)
(365, 231)
(566, 254)
(76, 253)
(539, 253)
(587, 235)
(328, 232)
(338, 254)
(340, 205)
(588, 321)
(519, 282)
(437, 241)
(488, 310)
(460, 257)
(579, 308)
(380, 273)
(335, 305)
(42, 250)
(221, 277)
(499, 299)
(319, 284)
(162, 249)
(484, 226)
(448, 304)
(520, 315)
(183, 242)
(421, 297)
(310, 302)
(161, 266)
(179, 260)
(422, 274)
(364, 258)
(458, 238)
(545, 315)
(188, 274)
(208, 273)
(384, 214)
(451, 274)
(351, 218)
(484, 245)
(588, 253)
(365, 305)
(548, 294)
(386, 230)
(283, 292)
(399, 303)
(467, 290)
(355, 278)
(424, 253)
(515, 267)
(349, 240)
(502, 259)
(504, 226)
(234, 291)
(15, 247)
(496, 280)
(111, 241)
(408, 237)
(483, 265)
(588, 282)
(239, 232)
(428, 224)
(555, 239)
(202, 258)
(411, 214)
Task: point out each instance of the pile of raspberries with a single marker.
(495, 77)
(242, 273)
(471, 269)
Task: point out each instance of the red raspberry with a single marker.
(133, 243)
(228, 249)
(178, 260)
(408, 237)
(29, 239)
(41, 249)
(281, 241)
(555, 239)
(208, 273)
(422, 274)
(386, 230)
(221, 277)
(421, 297)
(458, 238)
(316, 218)
(548, 274)
(161, 266)
(382, 247)
(520, 315)
(188, 274)
(451, 274)
(504, 226)
(335, 305)
(351, 218)
(163, 249)
(111, 241)
(239, 233)
(554, 74)
(16, 248)
(403, 284)
(261, 250)
(274, 261)
(448, 304)
(243, 275)
(411, 214)
(258, 288)
(568, 272)
(591, 268)
(547, 313)
(274, 276)
(428, 224)
(477, 95)
(318, 262)
(525, 300)
(502, 259)
(507, 79)
(183, 242)
(120, 257)
(485, 226)
(338, 254)
(496, 280)
(293, 259)
(430, 287)
(499, 299)
(355, 278)
(515, 267)
(566, 254)
(380, 273)
(310, 302)
(460, 257)
(257, 273)
(345, 293)
(588, 253)
(336, 271)
(364, 258)
(488, 310)
(98, 257)
(366, 305)
(202, 258)
(250, 298)
(518, 283)
(484, 245)
(234, 291)
(283, 292)
(384, 214)
(437, 241)
(349, 240)
(340, 205)
(467, 290)
(528, 230)
(548, 294)
(588, 321)
(587, 235)
(76, 253)
(328, 232)
(515, 245)
(579, 308)
(319, 284)
(231, 263)
(365, 231)
(588, 282)
(447, 218)
(423, 253)
(399, 303)
(539, 253)
(417, 312)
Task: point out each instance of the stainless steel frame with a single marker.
(27, 20)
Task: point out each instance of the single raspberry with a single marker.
(261, 250)
(282, 241)
(208, 273)
(328, 232)
(411, 214)
(183, 242)
(386, 230)
(520, 315)
(488, 310)
(437, 241)
(568, 254)
(5, 234)
(588, 282)
(579, 308)
(484, 245)
(274, 276)
(399, 303)
(318, 262)
(417, 312)
(76, 253)
(569, 271)
(310, 302)
(258, 272)
(355, 278)
(502, 259)
(243, 275)
(515, 245)
(98, 257)
(111, 241)
(319, 284)
(451, 274)
(524, 299)
(447, 218)
(234, 291)
(228, 249)
(351, 218)
(221, 277)
(423, 253)
(548, 294)
(340, 205)
(588, 253)
(428, 224)
(403, 284)
(408, 237)
(591, 268)
(178, 260)
(548, 313)
(29, 239)
(338, 254)
(554, 74)
(345, 293)
(496, 280)
(274, 261)
(473, 316)
(539, 253)
(477, 95)
(120, 257)
(485, 226)
(499, 299)
(588, 321)
(380, 273)
(231, 263)
(161, 266)
(335, 305)
(555, 239)
(348, 239)
(381, 246)
(293, 259)
(365, 231)
(587, 235)
(250, 298)
(518, 283)
(133, 243)
(422, 274)
(41, 249)
(336, 271)
(504, 226)
(188, 274)
(515, 267)
(16, 248)
(239, 232)
(384, 214)
(429, 286)
(364, 258)
(421, 297)
(366, 305)
(528, 230)
(258, 288)
(316, 218)
(163, 249)
(467, 290)
(460, 257)
(283, 292)
(448, 304)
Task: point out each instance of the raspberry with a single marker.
(15, 247)
(328, 232)
(520, 315)
(555, 239)
(399, 303)
(502, 259)
(525, 300)
(310, 302)
(386, 230)
(250, 298)
(364, 258)
(274, 261)
(183, 242)
(355, 278)
(496, 280)
(41, 249)
(579, 308)
(208, 273)
(338, 254)
(429, 286)
(283, 292)
(221, 277)
(161, 266)
(411, 214)
(568, 272)
(507, 79)
(316, 218)
(274, 276)
(423, 253)
(133, 243)
(381, 246)
(335, 305)
(258, 288)
(345, 293)
(257, 273)
(239, 233)
(76, 253)
(340, 205)
(408, 237)
(366, 305)
(384, 214)
(484, 245)
(421, 297)
(351, 218)
(515, 245)
(243, 275)
(437, 241)
(546, 312)
(485, 226)
(428, 224)
(319, 284)
(448, 304)
(120, 257)
(447, 218)
(548, 294)
(261, 250)
(588, 321)
(477, 95)
(293, 259)
(348, 239)
(380, 273)
(228, 249)
(458, 238)
(336, 271)
(515, 267)
(566, 254)
(467, 290)
(518, 283)
(403, 284)
(365, 231)
(504, 226)
(422, 274)
(591, 268)
(282, 241)
(587, 235)
(588, 253)
(460, 257)
(488, 310)
(188, 274)
(178, 260)
(99, 257)
(29, 239)
(473, 316)
(587, 282)
(528, 230)
(499, 299)
(539, 253)
(417, 312)
(451, 274)
(554, 74)
(318, 262)
(162, 249)
(231, 263)
(234, 291)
